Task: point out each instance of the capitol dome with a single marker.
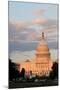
(42, 46)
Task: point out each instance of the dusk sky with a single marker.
(26, 23)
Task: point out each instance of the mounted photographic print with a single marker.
(33, 44)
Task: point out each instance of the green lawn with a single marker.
(33, 84)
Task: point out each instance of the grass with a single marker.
(33, 84)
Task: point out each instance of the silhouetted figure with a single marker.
(22, 73)
(54, 72)
(31, 75)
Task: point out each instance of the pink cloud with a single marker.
(20, 24)
(31, 36)
(39, 11)
(39, 21)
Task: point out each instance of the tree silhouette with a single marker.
(13, 70)
(54, 72)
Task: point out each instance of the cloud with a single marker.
(54, 54)
(42, 22)
(20, 24)
(31, 36)
(29, 46)
(18, 56)
(39, 11)
(17, 35)
(51, 23)
(50, 28)
(39, 21)
(27, 38)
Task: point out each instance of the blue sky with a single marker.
(26, 22)
(24, 11)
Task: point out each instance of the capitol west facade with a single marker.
(42, 63)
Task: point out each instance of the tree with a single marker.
(54, 72)
(13, 71)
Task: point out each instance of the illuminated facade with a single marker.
(42, 63)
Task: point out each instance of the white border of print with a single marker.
(4, 44)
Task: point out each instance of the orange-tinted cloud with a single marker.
(39, 21)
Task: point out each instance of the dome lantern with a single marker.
(42, 35)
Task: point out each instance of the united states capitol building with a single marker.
(42, 63)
